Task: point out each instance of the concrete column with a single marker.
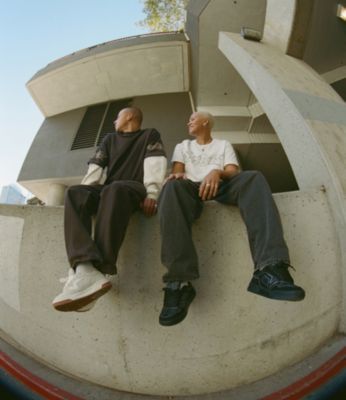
(56, 193)
(278, 23)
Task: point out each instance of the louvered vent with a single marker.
(89, 127)
(112, 112)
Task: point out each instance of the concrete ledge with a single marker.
(230, 337)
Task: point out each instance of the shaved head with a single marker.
(136, 113)
(129, 119)
(207, 116)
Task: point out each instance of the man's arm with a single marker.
(154, 174)
(97, 163)
(211, 182)
(178, 171)
(93, 176)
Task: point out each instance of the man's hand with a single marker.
(210, 185)
(149, 207)
(177, 175)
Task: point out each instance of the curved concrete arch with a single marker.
(137, 66)
(308, 116)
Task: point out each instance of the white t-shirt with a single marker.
(200, 159)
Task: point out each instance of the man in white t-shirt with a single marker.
(207, 169)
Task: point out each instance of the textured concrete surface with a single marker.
(230, 337)
(257, 390)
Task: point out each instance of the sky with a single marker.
(34, 33)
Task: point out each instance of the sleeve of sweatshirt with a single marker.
(93, 176)
(101, 156)
(154, 174)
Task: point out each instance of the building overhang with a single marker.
(136, 66)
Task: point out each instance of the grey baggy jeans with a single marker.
(180, 205)
(112, 205)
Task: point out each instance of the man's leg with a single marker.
(81, 203)
(84, 283)
(250, 191)
(179, 206)
(118, 201)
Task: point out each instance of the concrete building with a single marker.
(280, 102)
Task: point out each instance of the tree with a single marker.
(164, 15)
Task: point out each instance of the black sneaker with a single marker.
(275, 282)
(176, 304)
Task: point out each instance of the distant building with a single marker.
(11, 195)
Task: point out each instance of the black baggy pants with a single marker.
(112, 205)
(180, 205)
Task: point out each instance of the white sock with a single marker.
(85, 267)
(175, 285)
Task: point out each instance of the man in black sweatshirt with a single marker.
(136, 165)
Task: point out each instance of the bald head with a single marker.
(200, 124)
(136, 114)
(129, 120)
(206, 116)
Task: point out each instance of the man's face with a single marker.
(121, 120)
(195, 123)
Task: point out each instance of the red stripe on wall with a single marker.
(295, 391)
(33, 382)
(313, 381)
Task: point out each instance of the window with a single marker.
(97, 122)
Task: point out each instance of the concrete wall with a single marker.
(214, 81)
(230, 337)
(309, 30)
(50, 154)
(326, 44)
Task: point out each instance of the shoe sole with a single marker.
(88, 307)
(77, 304)
(285, 296)
(180, 317)
(173, 321)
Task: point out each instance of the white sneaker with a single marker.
(92, 304)
(82, 287)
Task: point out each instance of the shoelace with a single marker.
(279, 278)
